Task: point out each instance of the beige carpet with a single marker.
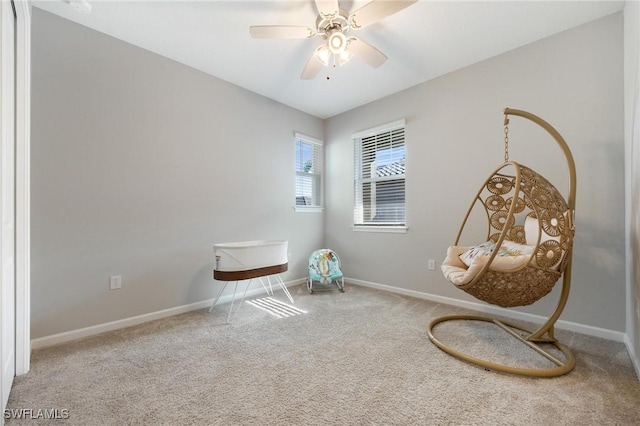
(356, 358)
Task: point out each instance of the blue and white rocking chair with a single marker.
(324, 267)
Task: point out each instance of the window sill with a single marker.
(384, 229)
(308, 209)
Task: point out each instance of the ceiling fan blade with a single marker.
(376, 10)
(281, 32)
(366, 52)
(311, 69)
(328, 7)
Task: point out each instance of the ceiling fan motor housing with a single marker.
(328, 24)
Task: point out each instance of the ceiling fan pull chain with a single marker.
(506, 138)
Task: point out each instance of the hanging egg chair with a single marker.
(527, 249)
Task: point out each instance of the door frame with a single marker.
(8, 200)
(23, 183)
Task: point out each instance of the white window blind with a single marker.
(380, 176)
(308, 172)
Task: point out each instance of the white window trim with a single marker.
(393, 229)
(388, 229)
(311, 209)
(308, 209)
(382, 128)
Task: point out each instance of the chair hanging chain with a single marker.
(506, 138)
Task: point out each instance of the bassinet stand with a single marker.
(544, 334)
(249, 274)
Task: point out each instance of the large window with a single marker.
(308, 173)
(380, 176)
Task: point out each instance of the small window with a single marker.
(308, 173)
(380, 160)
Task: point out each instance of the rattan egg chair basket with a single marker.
(525, 210)
(536, 201)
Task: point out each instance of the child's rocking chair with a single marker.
(324, 267)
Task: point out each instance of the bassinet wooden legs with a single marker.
(562, 367)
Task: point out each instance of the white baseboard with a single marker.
(635, 359)
(67, 336)
(616, 336)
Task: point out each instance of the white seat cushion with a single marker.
(510, 255)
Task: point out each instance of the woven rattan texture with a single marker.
(508, 289)
(534, 197)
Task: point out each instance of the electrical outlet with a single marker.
(432, 265)
(115, 282)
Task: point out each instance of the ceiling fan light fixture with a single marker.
(337, 42)
(344, 57)
(81, 6)
(323, 54)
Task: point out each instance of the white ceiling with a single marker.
(423, 41)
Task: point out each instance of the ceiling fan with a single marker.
(333, 25)
(81, 6)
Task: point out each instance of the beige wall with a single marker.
(139, 165)
(454, 139)
(632, 138)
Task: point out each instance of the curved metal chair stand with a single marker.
(548, 261)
